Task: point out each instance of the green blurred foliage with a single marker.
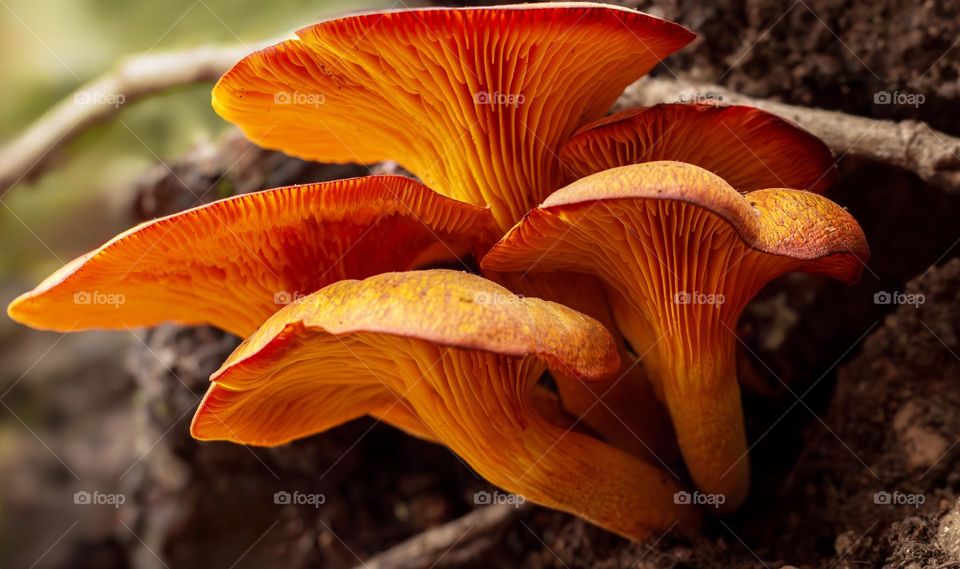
(48, 48)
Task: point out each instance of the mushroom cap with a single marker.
(443, 307)
(390, 312)
(749, 148)
(795, 224)
(658, 231)
(461, 354)
(236, 261)
(473, 101)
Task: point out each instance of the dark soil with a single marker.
(198, 501)
(833, 54)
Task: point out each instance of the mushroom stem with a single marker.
(630, 497)
(702, 394)
(503, 437)
(703, 398)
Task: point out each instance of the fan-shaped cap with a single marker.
(234, 262)
(749, 148)
(682, 252)
(793, 224)
(443, 307)
(465, 355)
(473, 101)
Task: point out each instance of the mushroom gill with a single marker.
(473, 101)
(236, 261)
(749, 148)
(621, 408)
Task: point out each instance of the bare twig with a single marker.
(911, 145)
(449, 544)
(102, 98)
(914, 146)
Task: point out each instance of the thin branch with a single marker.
(449, 544)
(932, 155)
(99, 100)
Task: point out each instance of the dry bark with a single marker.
(450, 544)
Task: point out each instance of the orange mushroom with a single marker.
(481, 103)
(466, 365)
(473, 101)
(682, 252)
(234, 262)
(749, 148)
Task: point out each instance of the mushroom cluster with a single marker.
(614, 253)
